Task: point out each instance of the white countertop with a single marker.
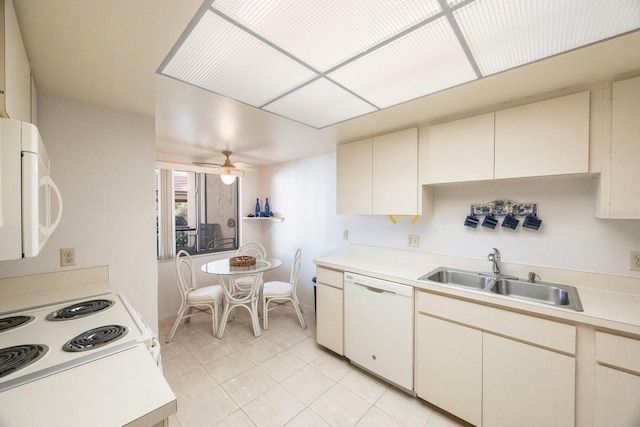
(112, 391)
(602, 308)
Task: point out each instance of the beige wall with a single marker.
(103, 162)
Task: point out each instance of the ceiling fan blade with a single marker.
(227, 166)
(243, 166)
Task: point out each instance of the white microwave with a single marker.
(30, 203)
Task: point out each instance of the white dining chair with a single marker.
(281, 293)
(254, 249)
(194, 299)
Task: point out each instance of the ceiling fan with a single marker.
(227, 167)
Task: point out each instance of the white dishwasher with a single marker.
(378, 327)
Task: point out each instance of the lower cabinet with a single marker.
(449, 367)
(524, 385)
(617, 398)
(617, 381)
(330, 310)
(492, 367)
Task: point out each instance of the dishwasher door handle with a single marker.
(376, 290)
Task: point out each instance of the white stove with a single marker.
(119, 370)
(50, 339)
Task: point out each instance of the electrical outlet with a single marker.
(67, 257)
(345, 234)
(414, 241)
(635, 261)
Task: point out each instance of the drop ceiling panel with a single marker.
(422, 62)
(320, 104)
(224, 59)
(326, 33)
(504, 34)
(357, 56)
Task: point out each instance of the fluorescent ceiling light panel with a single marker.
(326, 33)
(504, 34)
(323, 62)
(424, 61)
(320, 104)
(222, 58)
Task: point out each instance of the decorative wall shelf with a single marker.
(263, 218)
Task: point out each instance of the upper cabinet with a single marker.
(544, 138)
(15, 82)
(395, 173)
(549, 137)
(379, 175)
(619, 196)
(461, 150)
(354, 173)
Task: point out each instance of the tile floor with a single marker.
(280, 378)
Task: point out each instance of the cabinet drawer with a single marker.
(618, 351)
(330, 277)
(542, 332)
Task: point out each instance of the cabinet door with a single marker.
(461, 150)
(354, 174)
(525, 385)
(395, 173)
(329, 318)
(449, 367)
(17, 84)
(625, 149)
(617, 398)
(544, 138)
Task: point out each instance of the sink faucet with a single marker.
(494, 257)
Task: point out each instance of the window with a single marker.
(202, 211)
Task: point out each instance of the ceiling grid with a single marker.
(321, 63)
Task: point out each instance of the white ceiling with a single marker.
(107, 53)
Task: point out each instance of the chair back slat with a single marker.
(253, 249)
(295, 269)
(185, 272)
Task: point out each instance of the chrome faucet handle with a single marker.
(494, 257)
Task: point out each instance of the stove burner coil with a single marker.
(20, 356)
(81, 309)
(7, 323)
(94, 338)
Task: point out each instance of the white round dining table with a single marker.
(236, 297)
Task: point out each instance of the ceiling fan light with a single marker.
(228, 179)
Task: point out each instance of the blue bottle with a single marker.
(257, 208)
(267, 209)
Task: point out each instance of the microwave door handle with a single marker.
(53, 186)
(48, 230)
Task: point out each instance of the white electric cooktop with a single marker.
(61, 336)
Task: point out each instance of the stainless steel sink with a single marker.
(463, 278)
(546, 293)
(564, 296)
